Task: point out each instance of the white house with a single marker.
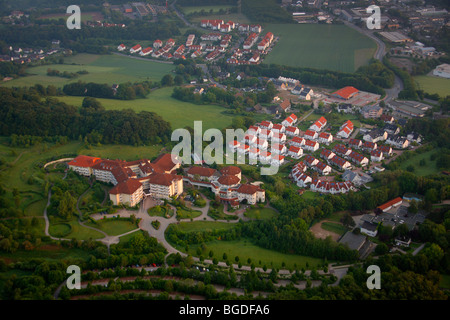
(369, 229)
(397, 141)
(121, 47)
(376, 155)
(295, 152)
(292, 131)
(277, 159)
(325, 137)
(136, 48)
(297, 141)
(277, 148)
(311, 145)
(311, 134)
(319, 124)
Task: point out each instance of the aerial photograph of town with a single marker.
(246, 152)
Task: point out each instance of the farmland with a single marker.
(178, 113)
(432, 85)
(108, 69)
(333, 47)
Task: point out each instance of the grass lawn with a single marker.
(334, 227)
(47, 252)
(108, 69)
(309, 195)
(260, 213)
(113, 227)
(183, 213)
(153, 212)
(445, 281)
(204, 226)
(332, 47)
(178, 113)
(244, 249)
(432, 85)
(427, 169)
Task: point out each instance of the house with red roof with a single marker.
(202, 173)
(289, 121)
(358, 158)
(310, 161)
(295, 152)
(266, 124)
(278, 148)
(146, 51)
(136, 48)
(345, 93)
(121, 47)
(327, 154)
(278, 128)
(310, 134)
(311, 145)
(341, 163)
(355, 143)
(319, 124)
(322, 168)
(277, 159)
(376, 155)
(297, 141)
(234, 145)
(325, 137)
(292, 131)
(279, 137)
(345, 130)
(342, 150)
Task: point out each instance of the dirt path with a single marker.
(322, 233)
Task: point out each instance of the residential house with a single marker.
(289, 121)
(310, 161)
(392, 129)
(387, 118)
(319, 124)
(397, 141)
(387, 150)
(342, 150)
(371, 111)
(369, 146)
(369, 228)
(295, 152)
(325, 137)
(376, 135)
(266, 124)
(310, 134)
(327, 154)
(278, 128)
(277, 159)
(345, 108)
(292, 131)
(311, 145)
(322, 168)
(376, 155)
(279, 137)
(277, 148)
(341, 163)
(355, 143)
(297, 141)
(358, 158)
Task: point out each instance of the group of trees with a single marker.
(91, 40)
(24, 112)
(125, 91)
(65, 74)
(265, 11)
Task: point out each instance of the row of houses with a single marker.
(303, 180)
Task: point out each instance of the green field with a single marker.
(334, 227)
(113, 227)
(207, 9)
(432, 85)
(244, 249)
(108, 69)
(427, 169)
(332, 47)
(260, 213)
(178, 113)
(204, 226)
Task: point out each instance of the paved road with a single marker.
(391, 93)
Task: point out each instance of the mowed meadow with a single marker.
(111, 69)
(320, 46)
(107, 69)
(180, 114)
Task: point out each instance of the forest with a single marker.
(25, 112)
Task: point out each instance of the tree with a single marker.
(167, 81)
(347, 220)
(413, 208)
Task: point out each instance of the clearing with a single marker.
(331, 47)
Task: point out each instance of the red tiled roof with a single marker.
(390, 203)
(165, 162)
(249, 189)
(201, 171)
(228, 180)
(346, 92)
(126, 187)
(230, 170)
(84, 161)
(163, 179)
